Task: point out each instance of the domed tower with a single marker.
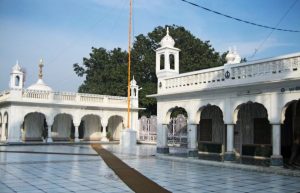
(134, 93)
(16, 77)
(167, 58)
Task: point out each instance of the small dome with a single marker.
(40, 85)
(230, 57)
(167, 41)
(233, 57)
(133, 82)
(17, 68)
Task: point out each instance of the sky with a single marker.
(62, 32)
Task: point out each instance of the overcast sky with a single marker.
(62, 32)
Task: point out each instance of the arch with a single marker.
(211, 129)
(252, 131)
(63, 128)
(290, 132)
(34, 127)
(176, 121)
(162, 62)
(17, 81)
(114, 127)
(90, 127)
(172, 61)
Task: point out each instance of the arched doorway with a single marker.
(290, 134)
(90, 128)
(62, 127)
(211, 132)
(34, 127)
(114, 127)
(177, 127)
(252, 132)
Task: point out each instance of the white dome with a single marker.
(40, 85)
(16, 68)
(233, 57)
(167, 41)
(133, 82)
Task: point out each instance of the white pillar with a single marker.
(49, 137)
(192, 140)
(276, 158)
(103, 137)
(162, 138)
(76, 139)
(229, 155)
(3, 135)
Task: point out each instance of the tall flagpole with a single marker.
(129, 63)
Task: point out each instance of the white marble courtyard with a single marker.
(85, 171)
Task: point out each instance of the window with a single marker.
(172, 61)
(17, 81)
(162, 62)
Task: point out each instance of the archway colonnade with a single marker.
(70, 125)
(236, 128)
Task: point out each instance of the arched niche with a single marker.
(252, 131)
(63, 127)
(114, 127)
(34, 127)
(290, 133)
(90, 127)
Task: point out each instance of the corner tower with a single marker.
(16, 77)
(167, 58)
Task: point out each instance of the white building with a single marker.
(237, 110)
(39, 113)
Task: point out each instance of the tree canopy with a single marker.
(105, 71)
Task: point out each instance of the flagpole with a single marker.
(129, 63)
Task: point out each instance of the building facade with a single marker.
(237, 110)
(38, 113)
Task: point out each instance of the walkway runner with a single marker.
(131, 177)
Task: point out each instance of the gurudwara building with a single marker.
(38, 113)
(235, 111)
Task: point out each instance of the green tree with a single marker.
(106, 71)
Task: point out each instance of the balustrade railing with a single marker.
(229, 74)
(32, 94)
(60, 97)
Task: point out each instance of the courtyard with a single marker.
(78, 168)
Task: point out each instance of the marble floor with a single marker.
(82, 170)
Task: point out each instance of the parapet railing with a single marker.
(256, 71)
(60, 97)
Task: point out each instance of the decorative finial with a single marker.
(167, 30)
(17, 63)
(41, 65)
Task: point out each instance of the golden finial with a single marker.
(41, 65)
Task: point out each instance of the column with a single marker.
(276, 158)
(103, 137)
(49, 137)
(162, 139)
(76, 139)
(192, 140)
(230, 155)
(3, 134)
